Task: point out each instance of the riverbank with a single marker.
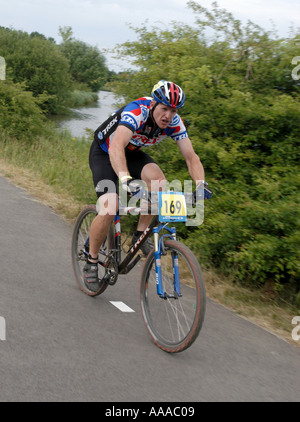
(82, 98)
(55, 171)
(83, 120)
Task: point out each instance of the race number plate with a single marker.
(172, 207)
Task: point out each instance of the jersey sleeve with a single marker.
(134, 115)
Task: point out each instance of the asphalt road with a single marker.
(61, 345)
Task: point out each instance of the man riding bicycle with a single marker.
(116, 155)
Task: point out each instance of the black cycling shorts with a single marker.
(104, 173)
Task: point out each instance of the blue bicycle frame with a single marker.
(158, 251)
(129, 261)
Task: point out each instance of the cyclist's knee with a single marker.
(154, 177)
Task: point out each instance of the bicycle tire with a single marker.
(173, 323)
(79, 250)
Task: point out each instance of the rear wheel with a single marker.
(80, 249)
(173, 321)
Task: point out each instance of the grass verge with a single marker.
(55, 171)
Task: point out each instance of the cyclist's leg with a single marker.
(105, 185)
(152, 175)
(107, 206)
(105, 180)
(142, 166)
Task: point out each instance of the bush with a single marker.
(20, 113)
(244, 113)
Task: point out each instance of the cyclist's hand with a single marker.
(131, 186)
(202, 192)
(208, 193)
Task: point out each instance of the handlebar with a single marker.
(149, 201)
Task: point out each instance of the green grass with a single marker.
(81, 98)
(54, 168)
(60, 160)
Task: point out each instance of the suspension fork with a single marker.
(158, 251)
(157, 255)
(117, 224)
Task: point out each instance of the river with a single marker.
(88, 117)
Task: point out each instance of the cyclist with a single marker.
(116, 155)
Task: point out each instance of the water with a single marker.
(83, 119)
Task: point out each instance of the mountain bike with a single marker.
(172, 291)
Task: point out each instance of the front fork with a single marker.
(158, 252)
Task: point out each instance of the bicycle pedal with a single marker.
(111, 272)
(109, 279)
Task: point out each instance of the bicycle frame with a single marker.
(158, 251)
(126, 265)
(155, 227)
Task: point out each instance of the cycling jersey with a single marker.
(136, 116)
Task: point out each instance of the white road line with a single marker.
(122, 306)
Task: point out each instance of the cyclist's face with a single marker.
(163, 115)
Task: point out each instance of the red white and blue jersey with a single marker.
(136, 117)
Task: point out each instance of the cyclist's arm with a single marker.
(193, 162)
(117, 157)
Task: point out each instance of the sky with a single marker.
(106, 23)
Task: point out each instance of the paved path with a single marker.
(62, 345)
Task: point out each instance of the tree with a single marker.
(87, 64)
(244, 109)
(39, 64)
(66, 32)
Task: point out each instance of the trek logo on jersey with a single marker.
(109, 126)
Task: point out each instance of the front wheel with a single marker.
(80, 248)
(173, 321)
